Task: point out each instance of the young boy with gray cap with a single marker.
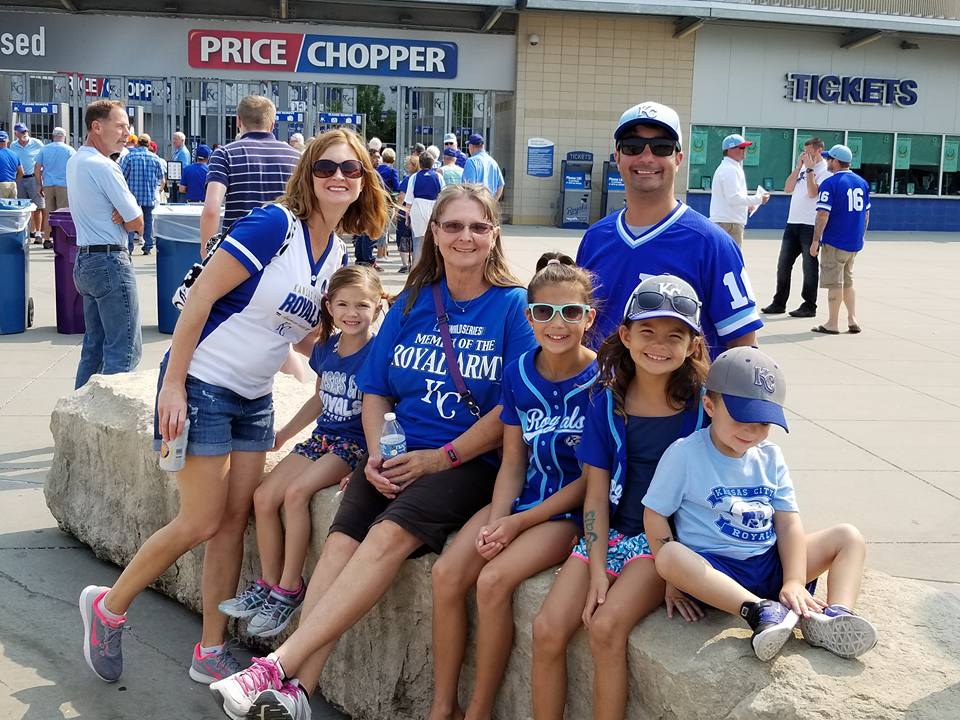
(740, 545)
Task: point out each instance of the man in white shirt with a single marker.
(803, 182)
(730, 205)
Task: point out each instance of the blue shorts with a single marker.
(761, 575)
(222, 421)
(621, 550)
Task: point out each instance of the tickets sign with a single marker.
(334, 54)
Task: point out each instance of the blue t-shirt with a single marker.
(53, 158)
(194, 179)
(551, 415)
(722, 505)
(388, 173)
(846, 196)
(482, 168)
(408, 364)
(96, 189)
(685, 244)
(426, 185)
(9, 162)
(27, 153)
(339, 391)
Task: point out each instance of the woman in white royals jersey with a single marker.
(260, 293)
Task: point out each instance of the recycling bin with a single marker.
(16, 307)
(176, 230)
(69, 301)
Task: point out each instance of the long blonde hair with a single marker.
(367, 215)
(429, 268)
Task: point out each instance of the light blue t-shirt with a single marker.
(341, 396)
(722, 505)
(27, 153)
(53, 158)
(482, 168)
(96, 188)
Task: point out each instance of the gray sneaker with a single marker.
(276, 613)
(211, 667)
(248, 602)
(101, 639)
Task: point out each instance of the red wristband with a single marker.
(451, 455)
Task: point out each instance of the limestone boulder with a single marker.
(105, 488)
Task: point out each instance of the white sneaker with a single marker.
(290, 702)
(237, 692)
(840, 631)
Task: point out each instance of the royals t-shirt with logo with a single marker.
(408, 365)
(551, 416)
(685, 244)
(341, 396)
(722, 505)
(249, 330)
(846, 196)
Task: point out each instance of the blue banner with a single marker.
(377, 56)
(540, 157)
(35, 108)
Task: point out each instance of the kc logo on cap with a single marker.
(647, 110)
(765, 378)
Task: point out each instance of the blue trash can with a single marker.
(176, 229)
(16, 307)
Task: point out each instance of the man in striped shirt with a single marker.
(248, 172)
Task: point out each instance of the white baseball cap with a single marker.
(650, 113)
(449, 137)
(58, 132)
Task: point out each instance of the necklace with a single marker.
(461, 308)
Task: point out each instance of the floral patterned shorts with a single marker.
(319, 445)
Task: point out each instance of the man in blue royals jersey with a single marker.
(657, 234)
(843, 213)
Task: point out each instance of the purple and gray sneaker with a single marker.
(840, 631)
(772, 625)
(101, 637)
(276, 612)
(210, 667)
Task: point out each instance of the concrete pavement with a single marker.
(874, 425)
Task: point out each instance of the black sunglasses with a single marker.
(652, 300)
(352, 169)
(455, 227)
(661, 147)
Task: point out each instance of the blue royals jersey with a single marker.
(551, 416)
(408, 365)
(685, 244)
(339, 391)
(846, 196)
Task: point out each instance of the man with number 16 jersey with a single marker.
(657, 234)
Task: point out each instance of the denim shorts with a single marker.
(621, 550)
(222, 421)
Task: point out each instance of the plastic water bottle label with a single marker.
(173, 454)
(392, 445)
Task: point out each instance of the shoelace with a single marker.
(109, 645)
(226, 662)
(261, 675)
(253, 592)
(291, 690)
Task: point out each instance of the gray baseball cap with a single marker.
(664, 296)
(752, 384)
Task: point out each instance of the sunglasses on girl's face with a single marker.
(661, 147)
(455, 227)
(352, 169)
(570, 313)
(651, 300)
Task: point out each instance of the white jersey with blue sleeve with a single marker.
(722, 505)
(249, 330)
(685, 244)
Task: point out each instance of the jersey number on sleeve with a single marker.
(854, 199)
(740, 299)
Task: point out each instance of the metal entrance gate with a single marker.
(425, 115)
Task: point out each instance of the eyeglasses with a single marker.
(352, 169)
(455, 227)
(651, 300)
(569, 313)
(661, 147)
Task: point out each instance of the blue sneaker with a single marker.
(772, 625)
(840, 631)
(248, 602)
(101, 637)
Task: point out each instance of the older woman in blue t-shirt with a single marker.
(409, 504)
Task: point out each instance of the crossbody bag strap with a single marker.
(444, 325)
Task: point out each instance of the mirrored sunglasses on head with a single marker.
(650, 300)
(569, 313)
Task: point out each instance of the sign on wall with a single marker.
(540, 157)
(852, 90)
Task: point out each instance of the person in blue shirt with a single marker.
(843, 213)
(144, 174)
(410, 503)
(419, 196)
(739, 543)
(10, 168)
(331, 453)
(534, 517)
(404, 231)
(450, 143)
(652, 371)
(193, 181)
(481, 168)
(51, 173)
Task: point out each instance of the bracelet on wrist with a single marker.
(451, 454)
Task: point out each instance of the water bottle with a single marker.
(173, 454)
(392, 440)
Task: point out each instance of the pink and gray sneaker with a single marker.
(290, 702)
(210, 667)
(840, 631)
(277, 611)
(238, 691)
(101, 636)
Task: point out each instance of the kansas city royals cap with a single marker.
(752, 384)
(839, 152)
(659, 296)
(449, 137)
(3, 136)
(475, 139)
(203, 151)
(735, 141)
(19, 127)
(449, 152)
(650, 113)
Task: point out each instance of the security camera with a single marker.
(533, 39)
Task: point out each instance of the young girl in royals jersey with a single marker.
(332, 452)
(652, 371)
(534, 518)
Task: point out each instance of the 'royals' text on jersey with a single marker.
(249, 330)
(685, 244)
(339, 391)
(846, 196)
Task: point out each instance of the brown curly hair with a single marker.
(368, 215)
